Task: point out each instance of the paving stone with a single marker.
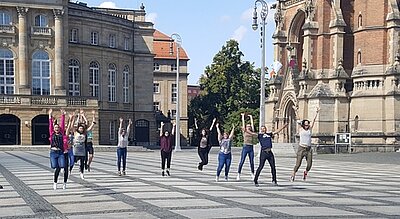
(389, 210)
(141, 215)
(146, 195)
(343, 201)
(92, 206)
(11, 201)
(12, 211)
(219, 213)
(312, 211)
(266, 201)
(184, 203)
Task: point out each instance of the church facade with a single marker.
(343, 57)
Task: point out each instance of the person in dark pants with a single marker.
(204, 144)
(122, 151)
(224, 155)
(265, 139)
(166, 148)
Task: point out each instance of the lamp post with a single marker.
(264, 14)
(175, 37)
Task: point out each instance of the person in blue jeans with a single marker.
(123, 135)
(224, 155)
(248, 149)
(265, 139)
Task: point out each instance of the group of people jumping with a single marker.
(74, 142)
(264, 137)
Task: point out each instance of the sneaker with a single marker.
(226, 178)
(119, 173)
(291, 178)
(88, 168)
(55, 186)
(162, 173)
(304, 175)
(274, 183)
(82, 177)
(123, 173)
(238, 177)
(200, 167)
(65, 186)
(217, 179)
(168, 173)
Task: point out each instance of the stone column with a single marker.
(58, 49)
(23, 51)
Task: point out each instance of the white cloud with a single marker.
(239, 33)
(225, 18)
(108, 5)
(151, 17)
(247, 15)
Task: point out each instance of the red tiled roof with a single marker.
(161, 47)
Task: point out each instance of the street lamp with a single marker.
(264, 14)
(175, 37)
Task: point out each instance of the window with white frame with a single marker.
(112, 130)
(94, 79)
(156, 106)
(126, 43)
(6, 72)
(112, 83)
(74, 78)
(156, 66)
(156, 88)
(125, 87)
(73, 35)
(41, 73)
(173, 67)
(174, 93)
(5, 18)
(41, 20)
(112, 41)
(94, 38)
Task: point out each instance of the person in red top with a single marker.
(166, 148)
(57, 149)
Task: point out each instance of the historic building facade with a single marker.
(58, 54)
(341, 56)
(164, 87)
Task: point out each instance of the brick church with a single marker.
(343, 57)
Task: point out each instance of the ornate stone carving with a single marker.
(309, 8)
(278, 17)
(58, 14)
(22, 11)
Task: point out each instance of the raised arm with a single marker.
(161, 128)
(213, 123)
(219, 132)
(62, 125)
(232, 132)
(51, 125)
(315, 117)
(251, 122)
(173, 129)
(84, 119)
(195, 124)
(243, 123)
(70, 122)
(279, 130)
(121, 120)
(128, 129)
(93, 121)
(296, 113)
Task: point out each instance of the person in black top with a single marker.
(204, 144)
(265, 139)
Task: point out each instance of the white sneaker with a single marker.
(82, 177)
(216, 178)
(238, 177)
(65, 186)
(55, 186)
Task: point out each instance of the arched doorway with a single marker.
(290, 117)
(10, 130)
(40, 130)
(142, 130)
(296, 37)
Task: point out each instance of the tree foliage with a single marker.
(229, 87)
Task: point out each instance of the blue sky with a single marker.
(204, 26)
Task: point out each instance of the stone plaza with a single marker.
(340, 186)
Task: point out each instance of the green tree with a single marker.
(229, 87)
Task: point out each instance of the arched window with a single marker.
(112, 82)
(41, 20)
(360, 21)
(5, 18)
(359, 58)
(6, 72)
(40, 73)
(74, 78)
(356, 121)
(125, 83)
(94, 79)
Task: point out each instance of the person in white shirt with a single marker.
(123, 135)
